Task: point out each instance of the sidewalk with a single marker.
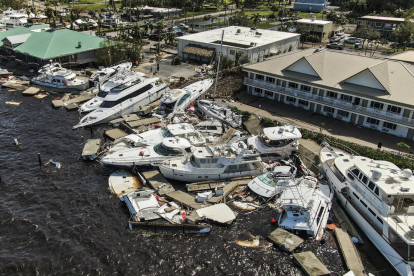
(303, 118)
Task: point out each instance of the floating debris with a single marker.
(220, 213)
(123, 182)
(13, 103)
(247, 206)
(248, 240)
(31, 91)
(57, 164)
(91, 149)
(41, 95)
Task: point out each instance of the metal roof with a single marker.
(336, 68)
(15, 39)
(407, 56)
(55, 43)
(21, 30)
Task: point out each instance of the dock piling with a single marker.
(40, 159)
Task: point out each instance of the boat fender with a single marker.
(141, 153)
(66, 83)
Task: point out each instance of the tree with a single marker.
(237, 59)
(111, 52)
(367, 34)
(239, 19)
(404, 33)
(313, 38)
(357, 6)
(49, 14)
(403, 146)
(274, 8)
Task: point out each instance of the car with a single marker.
(335, 45)
(104, 10)
(334, 39)
(182, 26)
(180, 33)
(350, 40)
(154, 37)
(341, 35)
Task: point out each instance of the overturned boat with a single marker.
(222, 113)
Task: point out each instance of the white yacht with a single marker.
(178, 100)
(91, 23)
(214, 163)
(124, 99)
(169, 148)
(54, 75)
(222, 113)
(210, 128)
(105, 80)
(276, 141)
(127, 151)
(379, 197)
(16, 20)
(142, 205)
(305, 207)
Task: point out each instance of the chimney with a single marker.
(79, 44)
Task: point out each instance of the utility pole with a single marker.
(192, 27)
(218, 65)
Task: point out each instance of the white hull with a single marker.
(80, 86)
(233, 123)
(272, 151)
(376, 238)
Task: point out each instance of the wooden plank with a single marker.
(148, 121)
(31, 91)
(228, 189)
(185, 199)
(71, 106)
(285, 240)
(157, 182)
(226, 136)
(349, 252)
(252, 125)
(119, 120)
(82, 98)
(311, 264)
(57, 103)
(115, 133)
(131, 117)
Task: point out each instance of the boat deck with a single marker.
(157, 182)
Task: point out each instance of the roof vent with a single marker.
(79, 44)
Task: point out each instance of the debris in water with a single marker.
(41, 95)
(248, 240)
(16, 142)
(244, 205)
(57, 164)
(13, 103)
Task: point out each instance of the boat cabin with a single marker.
(171, 101)
(279, 136)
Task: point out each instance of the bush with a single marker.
(266, 122)
(176, 61)
(245, 114)
(271, 16)
(192, 31)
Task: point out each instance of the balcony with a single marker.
(346, 106)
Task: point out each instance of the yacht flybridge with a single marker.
(104, 74)
(276, 141)
(379, 197)
(222, 113)
(124, 99)
(54, 75)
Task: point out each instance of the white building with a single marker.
(371, 92)
(254, 45)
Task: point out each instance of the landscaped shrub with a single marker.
(176, 61)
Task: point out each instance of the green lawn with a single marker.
(98, 7)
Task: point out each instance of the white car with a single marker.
(340, 35)
(182, 26)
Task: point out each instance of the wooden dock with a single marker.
(157, 182)
(149, 121)
(285, 240)
(311, 264)
(349, 252)
(115, 133)
(185, 199)
(344, 222)
(226, 137)
(229, 188)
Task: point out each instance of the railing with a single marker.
(391, 117)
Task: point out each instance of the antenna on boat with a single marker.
(218, 65)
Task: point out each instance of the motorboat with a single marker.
(2, 27)
(54, 75)
(275, 142)
(210, 128)
(214, 163)
(123, 99)
(16, 20)
(305, 207)
(105, 80)
(142, 205)
(89, 21)
(379, 197)
(222, 113)
(169, 148)
(103, 74)
(178, 100)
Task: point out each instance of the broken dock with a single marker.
(285, 240)
(349, 252)
(311, 264)
(157, 182)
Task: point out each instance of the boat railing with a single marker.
(329, 142)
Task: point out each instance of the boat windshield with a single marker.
(275, 143)
(166, 133)
(187, 94)
(161, 150)
(102, 94)
(110, 104)
(272, 178)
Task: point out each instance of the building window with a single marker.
(372, 121)
(232, 52)
(346, 98)
(271, 80)
(328, 109)
(259, 77)
(304, 103)
(258, 90)
(290, 99)
(343, 113)
(241, 53)
(390, 126)
(331, 94)
(268, 93)
(305, 88)
(293, 85)
(377, 105)
(394, 109)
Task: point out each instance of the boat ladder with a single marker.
(400, 204)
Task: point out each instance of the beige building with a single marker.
(321, 28)
(370, 92)
(384, 25)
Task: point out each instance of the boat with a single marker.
(142, 205)
(54, 75)
(105, 80)
(214, 163)
(210, 128)
(222, 113)
(178, 100)
(305, 207)
(275, 142)
(13, 18)
(379, 197)
(169, 148)
(124, 99)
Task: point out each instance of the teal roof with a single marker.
(21, 30)
(56, 43)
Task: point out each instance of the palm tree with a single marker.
(255, 18)
(28, 12)
(49, 14)
(274, 8)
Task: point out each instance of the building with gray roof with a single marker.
(310, 5)
(365, 91)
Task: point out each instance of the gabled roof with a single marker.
(374, 77)
(55, 43)
(15, 39)
(21, 30)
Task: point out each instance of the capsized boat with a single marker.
(124, 99)
(169, 148)
(178, 100)
(121, 76)
(275, 142)
(142, 205)
(305, 207)
(104, 74)
(54, 75)
(222, 113)
(214, 163)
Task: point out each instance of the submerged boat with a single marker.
(305, 207)
(214, 163)
(178, 100)
(379, 197)
(222, 113)
(104, 74)
(124, 99)
(121, 76)
(275, 142)
(54, 75)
